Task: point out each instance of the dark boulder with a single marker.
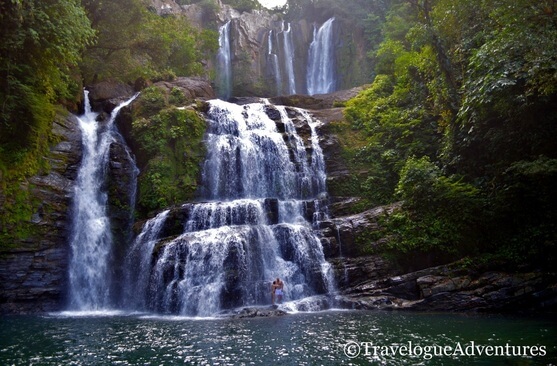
(107, 95)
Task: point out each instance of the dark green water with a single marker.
(297, 339)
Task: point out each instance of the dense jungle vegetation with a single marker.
(459, 122)
(49, 50)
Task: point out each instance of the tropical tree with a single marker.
(40, 45)
(135, 42)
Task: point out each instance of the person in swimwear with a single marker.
(279, 290)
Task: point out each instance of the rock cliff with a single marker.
(33, 276)
(373, 283)
(269, 55)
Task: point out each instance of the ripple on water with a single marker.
(301, 339)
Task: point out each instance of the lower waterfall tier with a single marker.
(204, 272)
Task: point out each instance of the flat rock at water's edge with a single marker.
(255, 312)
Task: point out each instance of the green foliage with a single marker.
(15, 221)
(439, 213)
(150, 102)
(357, 184)
(170, 149)
(509, 89)
(176, 97)
(397, 114)
(133, 42)
(40, 45)
(470, 87)
(524, 211)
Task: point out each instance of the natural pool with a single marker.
(323, 338)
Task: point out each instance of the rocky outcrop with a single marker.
(33, 277)
(373, 283)
(191, 88)
(121, 190)
(354, 235)
(329, 102)
(254, 312)
(106, 95)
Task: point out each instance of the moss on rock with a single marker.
(169, 149)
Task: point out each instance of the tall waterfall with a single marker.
(91, 241)
(274, 62)
(263, 179)
(289, 59)
(321, 65)
(224, 65)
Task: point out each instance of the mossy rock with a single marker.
(170, 152)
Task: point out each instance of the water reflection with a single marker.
(297, 339)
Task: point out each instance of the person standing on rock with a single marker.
(279, 290)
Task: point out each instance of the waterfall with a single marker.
(289, 59)
(321, 65)
(91, 241)
(263, 177)
(138, 262)
(274, 62)
(224, 66)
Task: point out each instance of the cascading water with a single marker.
(289, 58)
(91, 240)
(321, 65)
(224, 66)
(138, 261)
(274, 62)
(262, 180)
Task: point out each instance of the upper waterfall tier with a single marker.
(255, 156)
(321, 72)
(265, 56)
(224, 63)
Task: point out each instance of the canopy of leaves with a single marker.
(133, 42)
(467, 89)
(40, 45)
(440, 213)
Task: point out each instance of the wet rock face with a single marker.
(33, 277)
(121, 190)
(374, 283)
(106, 95)
(354, 235)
